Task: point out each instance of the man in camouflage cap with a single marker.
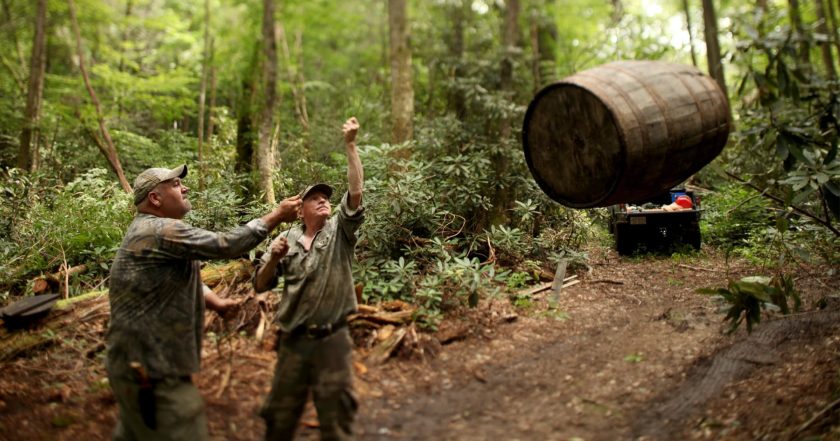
(157, 307)
(314, 345)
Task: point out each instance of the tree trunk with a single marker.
(18, 47)
(16, 71)
(211, 108)
(544, 43)
(244, 136)
(457, 102)
(690, 32)
(245, 122)
(617, 12)
(128, 6)
(299, 78)
(510, 41)
(535, 53)
(402, 89)
(799, 32)
(294, 75)
(712, 46)
(832, 16)
(265, 159)
(31, 129)
(202, 94)
(825, 46)
(107, 149)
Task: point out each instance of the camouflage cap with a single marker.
(151, 177)
(321, 187)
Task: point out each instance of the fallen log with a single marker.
(53, 282)
(384, 318)
(544, 287)
(235, 271)
(382, 351)
(14, 344)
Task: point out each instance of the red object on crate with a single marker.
(683, 201)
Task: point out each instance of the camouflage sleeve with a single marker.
(188, 242)
(350, 220)
(260, 263)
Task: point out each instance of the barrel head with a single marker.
(572, 145)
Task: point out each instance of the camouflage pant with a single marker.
(322, 366)
(179, 412)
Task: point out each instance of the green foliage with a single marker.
(634, 358)
(748, 296)
(744, 223)
(518, 280)
(81, 222)
(790, 112)
(732, 215)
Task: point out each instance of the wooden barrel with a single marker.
(623, 132)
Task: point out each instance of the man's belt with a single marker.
(316, 332)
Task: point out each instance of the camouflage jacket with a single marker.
(156, 296)
(318, 284)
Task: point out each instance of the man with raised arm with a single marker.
(314, 345)
(157, 307)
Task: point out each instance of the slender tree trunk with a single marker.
(547, 44)
(402, 88)
(202, 94)
(617, 12)
(125, 36)
(244, 134)
(8, 11)
(211, 108)
(825, 46)
(799, 32)
(457, 101)
(712, 46)
(15, 71)
(299, 78)
(687, 11)
(107, 148)
(832, 15)
(31, 126)
(294, 75)
(245, 121)
(535, 52)
(510, 41)
(265, 159)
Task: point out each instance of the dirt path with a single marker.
(604, 364)
(619, 344)
(644, 359)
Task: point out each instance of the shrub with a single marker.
(733, 215)
(748, 296)
(82, 222)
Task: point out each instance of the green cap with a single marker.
(321, 187)
(151, 177)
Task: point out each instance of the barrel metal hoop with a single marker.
(633, 108)
(660, 103)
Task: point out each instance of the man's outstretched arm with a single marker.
(355, 174)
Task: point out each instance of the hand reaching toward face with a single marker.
(289, 208)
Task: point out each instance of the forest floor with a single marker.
(630, 352)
